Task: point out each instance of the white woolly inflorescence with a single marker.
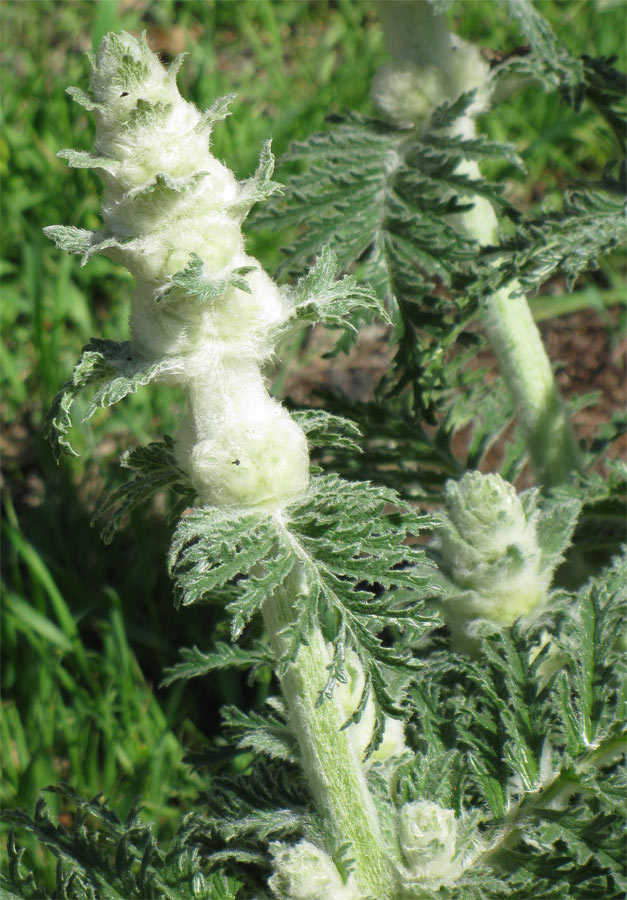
(173, 216)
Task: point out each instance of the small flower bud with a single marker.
(304, 872)
(407, 93)
(427, 833)
(490, 551)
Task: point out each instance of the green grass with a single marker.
(86, 630)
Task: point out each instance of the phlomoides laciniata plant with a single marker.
(449, 720)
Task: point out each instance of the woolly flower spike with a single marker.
(499, 550)
(428, 836)
(202, 309)
(304, 872)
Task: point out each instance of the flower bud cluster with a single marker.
(305, 872)
(428, 837)
(430, 842)
(491, 551)
(173, 217)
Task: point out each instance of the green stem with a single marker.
(413, 33)
(523, 361)
(332, 766)
(525, 366)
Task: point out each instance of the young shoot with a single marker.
(297, 550)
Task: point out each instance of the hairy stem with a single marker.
(523, 361)
(331, 763)
(414, 34)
